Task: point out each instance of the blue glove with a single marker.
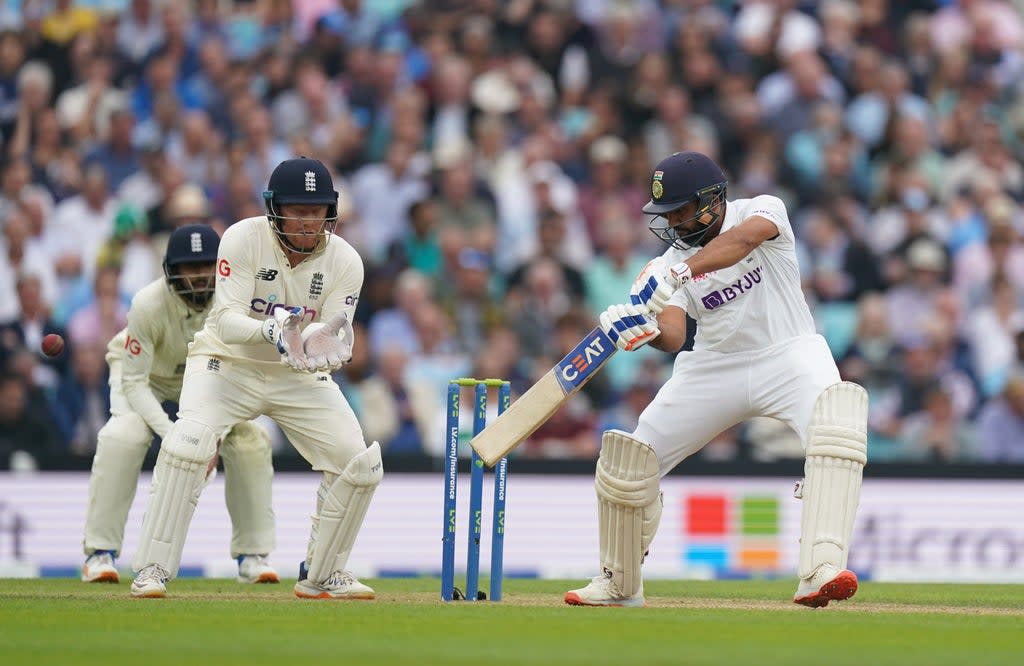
(629, 326)
(653, 287)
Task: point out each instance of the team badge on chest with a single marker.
(316, 286)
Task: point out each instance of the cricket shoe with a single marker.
(827, 583)
(602, 592)
(339, 585)
(256, 569)
(151, 582)
(99, 568)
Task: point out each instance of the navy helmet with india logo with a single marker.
(301, 181)
(194, 245)
(681, 179)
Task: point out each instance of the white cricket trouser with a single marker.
(709, 392)
(121, 448)
(309, 408)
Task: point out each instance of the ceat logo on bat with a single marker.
(584, 359)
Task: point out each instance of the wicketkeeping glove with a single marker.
(653, 287)
(283, 332)
(629, 326)
(326, 349)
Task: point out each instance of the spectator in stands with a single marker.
(33, 323)
(82, 404)
(25, 425)
(1001, 425)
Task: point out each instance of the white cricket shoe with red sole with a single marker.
(827, 583)
(99, 568)
(602, 592)
(339, 585)
(151, 582)
(256, 569)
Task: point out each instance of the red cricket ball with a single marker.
(52, 345)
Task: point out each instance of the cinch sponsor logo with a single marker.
(268, 307)
(731, 533)
(586, 357)
(727, 294)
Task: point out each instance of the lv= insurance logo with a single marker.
(733, 535)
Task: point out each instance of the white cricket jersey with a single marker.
(151, 351)
(254, 278)
(756, 302)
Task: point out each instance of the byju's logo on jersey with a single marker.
(310, 181)
(585, 359)
(724, 295)
(316, 286)
(267, 274)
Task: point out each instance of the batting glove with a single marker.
(330, 346)
(681, 273)
(629, 326)
(653, 287)
(283, 332)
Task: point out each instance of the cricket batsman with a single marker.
(287, 288)
(732, 266)
(146, 362)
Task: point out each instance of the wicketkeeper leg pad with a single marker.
(629, 506)
(833, 470)
(121, 447)
(179, 477)
(248, 476)
(344, 500)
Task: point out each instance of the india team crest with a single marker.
(657, 189)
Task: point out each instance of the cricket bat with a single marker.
(544, 398)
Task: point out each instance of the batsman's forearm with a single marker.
(672, 324)
(724, 251)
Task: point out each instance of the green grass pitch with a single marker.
(60, 621)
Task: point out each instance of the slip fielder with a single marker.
(146, 360)
(732, 266)
(286, 291)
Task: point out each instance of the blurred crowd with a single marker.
(492, 158)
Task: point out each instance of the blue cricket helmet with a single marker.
(192, 244)
(681, 179)
(304, 181)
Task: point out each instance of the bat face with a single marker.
(537, 405)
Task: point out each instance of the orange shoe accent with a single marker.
(268, 577)
(574, 599)
(106, 577)
(150, 595)
(840, 588)
(328, 595)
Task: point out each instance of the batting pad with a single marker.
(628, 506)
(178, 479)
(248, 476)
(833, 470)
(344, 507)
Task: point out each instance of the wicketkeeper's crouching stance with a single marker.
(280, 324)
(732, 266)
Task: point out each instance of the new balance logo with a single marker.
(213, 365)
(310, 181)
(322, 378)
(267, 274)
(196, 239)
